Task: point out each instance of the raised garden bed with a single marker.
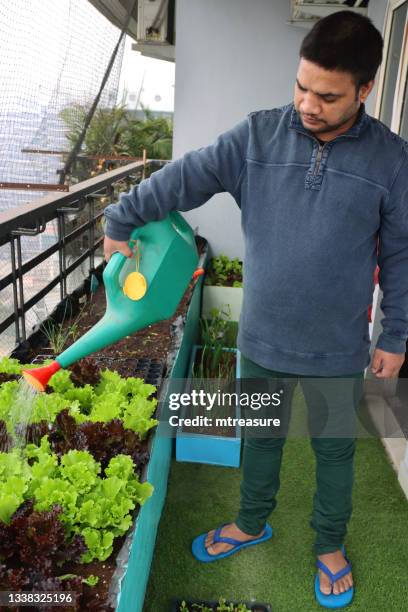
(161, 350)
(70, 481)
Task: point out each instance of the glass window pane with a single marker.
(393, 60)
(404, 118)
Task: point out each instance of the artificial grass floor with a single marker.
(281, 571)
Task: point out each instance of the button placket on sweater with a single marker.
(315, 173)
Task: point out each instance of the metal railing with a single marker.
(32, 269)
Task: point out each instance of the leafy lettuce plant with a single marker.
(93, 504)
(108, 406)
(45, 406)
(8, 392)
(138, 415)
(114, 397)
(224, 272)
(34, 545)
(14, 478)
(61, 381)
(112, 382)
(103, 440)
(10, 366)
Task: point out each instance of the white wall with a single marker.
(232, 57)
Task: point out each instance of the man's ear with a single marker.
(365, 90)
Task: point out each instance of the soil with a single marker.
(128, 357)
(94, 598)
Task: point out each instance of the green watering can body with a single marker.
(168, 259)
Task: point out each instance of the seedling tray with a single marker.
(254, 607)
(151, 370)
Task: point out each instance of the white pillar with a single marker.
(403, 472)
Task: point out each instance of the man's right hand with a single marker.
(112, 246)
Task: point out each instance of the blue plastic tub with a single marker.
(209, 449)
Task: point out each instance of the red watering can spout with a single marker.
(39, 377)
(197, 273)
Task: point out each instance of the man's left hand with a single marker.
(386, 365)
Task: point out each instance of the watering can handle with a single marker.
(116, 263)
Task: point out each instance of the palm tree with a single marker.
(113, 132)
(103, 136)
(155, 134)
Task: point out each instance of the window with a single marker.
(404, 117)
(393, 102)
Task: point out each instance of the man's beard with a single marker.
(327, 127)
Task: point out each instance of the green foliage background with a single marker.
(113, 131)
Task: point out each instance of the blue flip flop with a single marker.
(334, 601)
(200, 552)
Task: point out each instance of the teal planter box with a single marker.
(133, 585)
(211, 449)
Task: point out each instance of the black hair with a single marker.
(345, 41)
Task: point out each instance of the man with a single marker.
(320, 185)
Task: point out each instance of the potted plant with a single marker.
(212, 434)
(223, 285)
(222, 605)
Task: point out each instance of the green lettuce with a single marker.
(138, 415)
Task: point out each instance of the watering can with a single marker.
(166, 259)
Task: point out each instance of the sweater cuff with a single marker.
(391, 344)
(117, 231)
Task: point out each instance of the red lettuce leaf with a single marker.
(102, 440)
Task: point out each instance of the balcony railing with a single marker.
(48, 247)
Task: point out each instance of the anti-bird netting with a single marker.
(53, 58)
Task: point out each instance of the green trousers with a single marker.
(262, 455)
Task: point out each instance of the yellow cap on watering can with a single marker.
(135, 285)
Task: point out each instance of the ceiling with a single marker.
(116, 11)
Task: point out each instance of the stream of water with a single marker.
(21, 412)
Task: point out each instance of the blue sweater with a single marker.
(312, 215)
